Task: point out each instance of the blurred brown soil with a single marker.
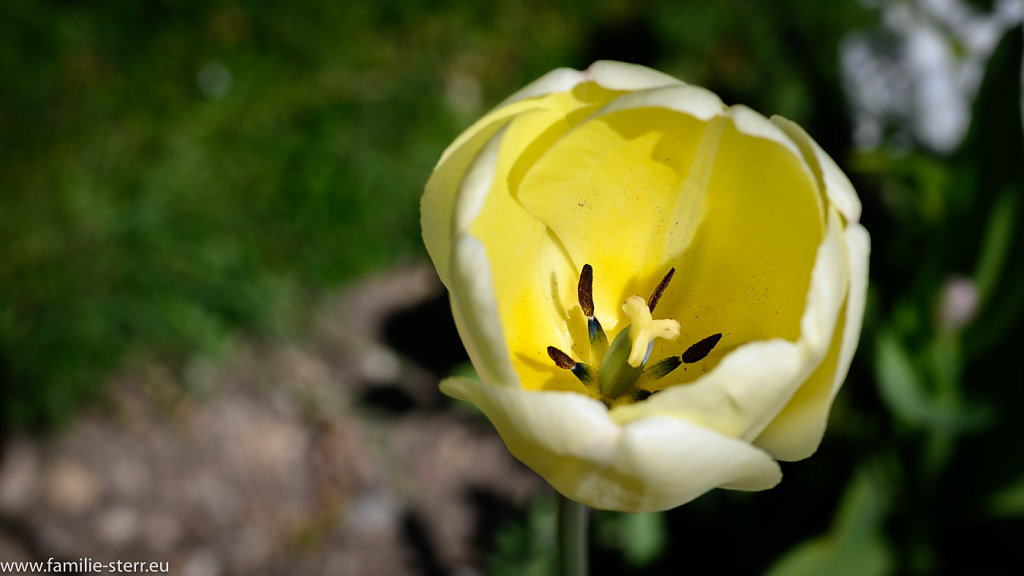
(330, 454)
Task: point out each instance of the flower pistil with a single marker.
(622, 365)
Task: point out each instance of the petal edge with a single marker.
(653, 464)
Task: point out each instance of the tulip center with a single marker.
(622, 368)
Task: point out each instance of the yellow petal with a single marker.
(473, 284)
(652, 464)
(558, 90)
(535, 283)
(729, 203)
(438, 202)
(606, 188)
(754, 382)
(746, 271)
(796, 432)
(476, 313)
(476, 287)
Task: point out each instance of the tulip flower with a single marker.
(661, 294)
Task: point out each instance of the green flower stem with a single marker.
(572, 537)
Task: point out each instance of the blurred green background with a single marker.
(175, 174)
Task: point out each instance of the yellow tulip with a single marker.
(560, 220)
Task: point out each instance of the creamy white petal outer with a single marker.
(691, 100)
(558, 80)
(798, 429)
(651, 464)
(858, 249)
(470, 284)
(476, 314)
(623, 76)
(437, 207)
(837, 186)
(608, 73)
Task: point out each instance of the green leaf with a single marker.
(1009, 501)
(853, 546)
(995, 244)
(644, 538)
(905, 393)
(899, 383)
(525, 546)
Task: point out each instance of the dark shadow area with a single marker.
(628, 37)
(426, 334)
(391, 400)
(492, 512)
(983, 546)
(418, 537)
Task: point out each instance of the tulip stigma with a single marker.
(643, 329)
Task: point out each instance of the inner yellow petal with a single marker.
(532, 276)
(608, 190)
(621, 190)
(747, 270)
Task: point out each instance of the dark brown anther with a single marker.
(701, 349)
(660, 290)
(562, 360)
(580, 370)
(585, 292)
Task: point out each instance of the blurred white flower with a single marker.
(919, 71)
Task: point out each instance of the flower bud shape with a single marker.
(661, 294)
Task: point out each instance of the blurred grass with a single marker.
(140, 213)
